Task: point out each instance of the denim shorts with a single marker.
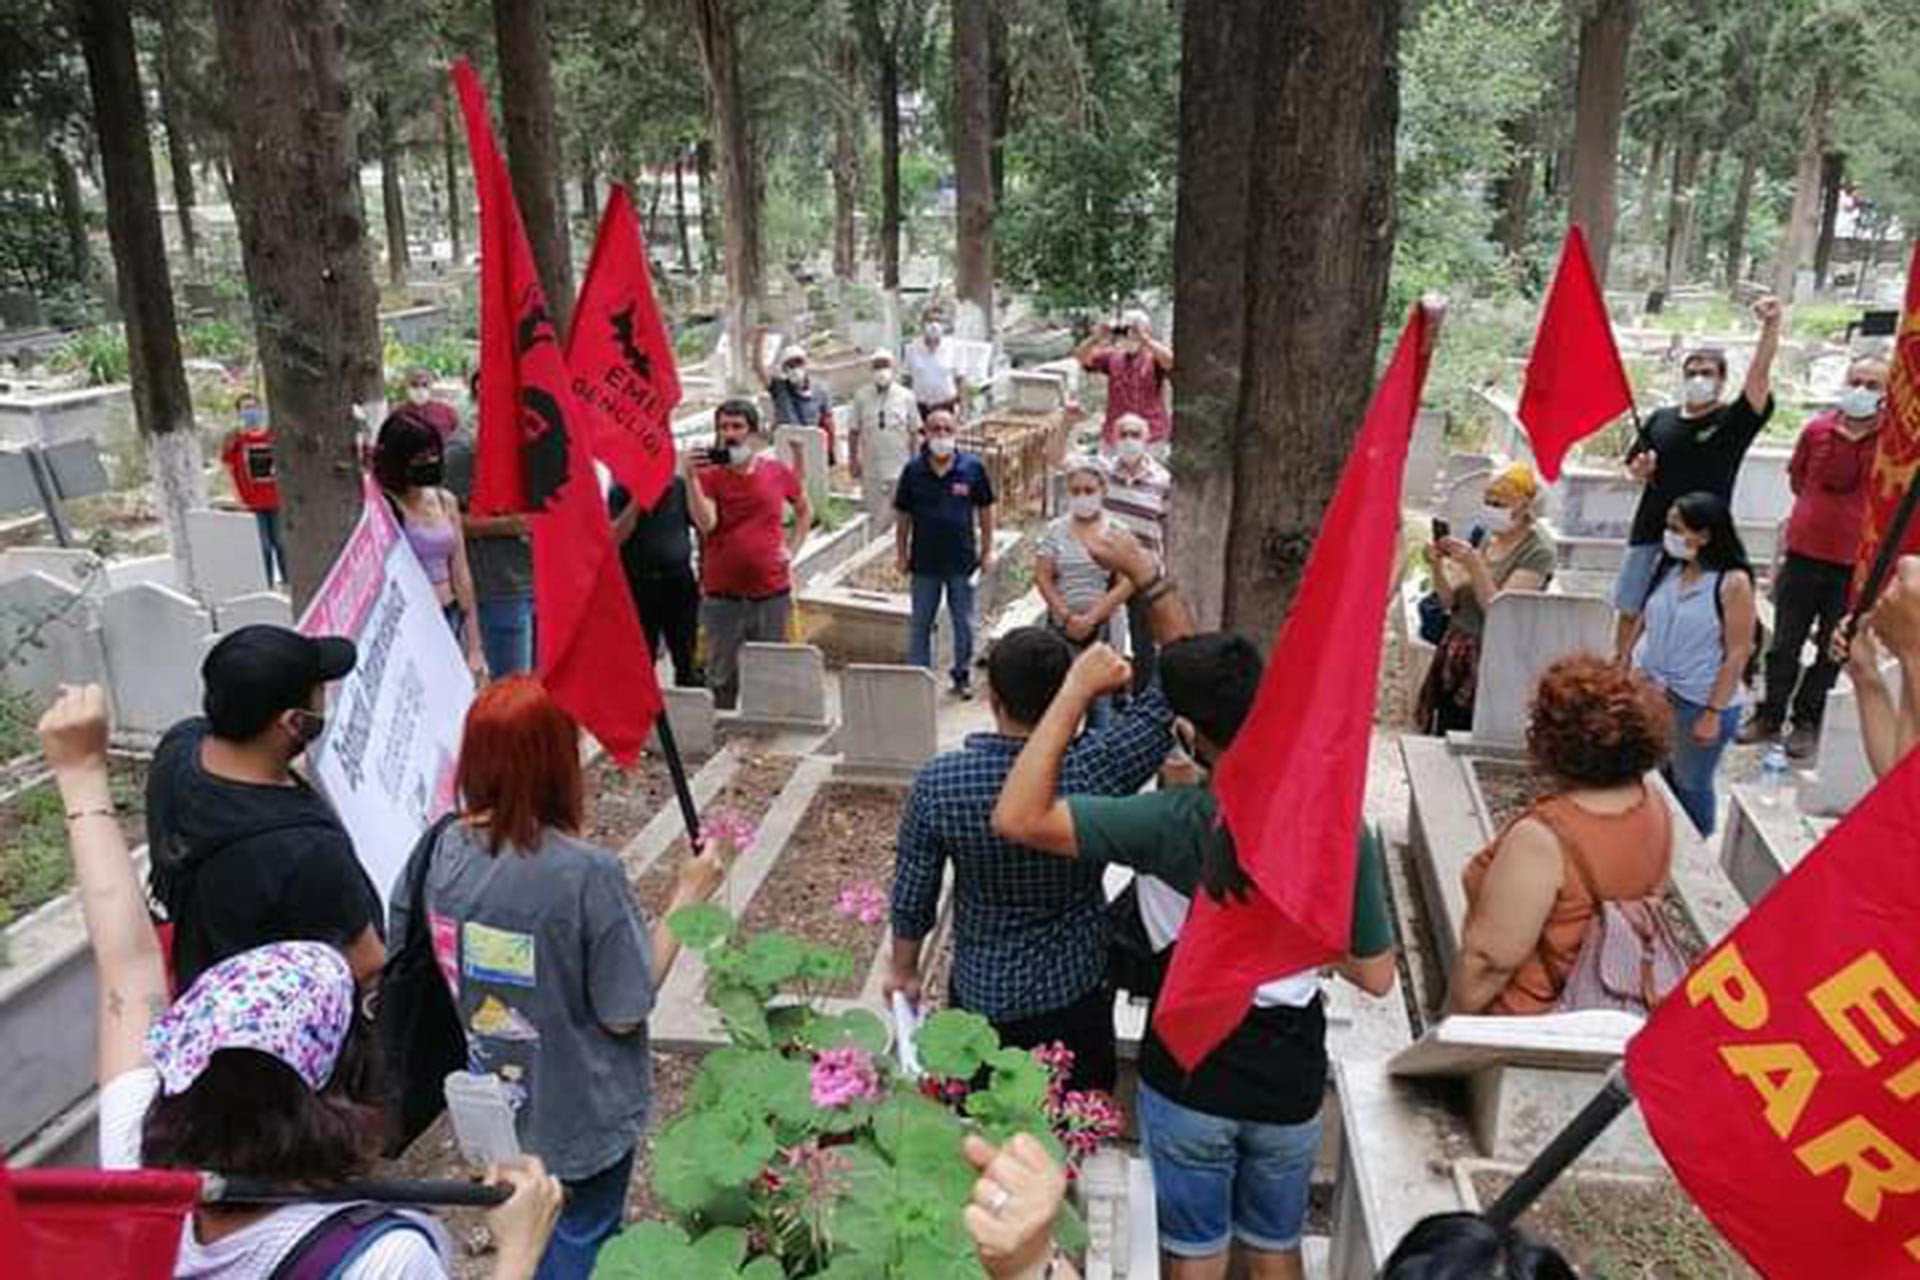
(1218, 1180)
(1635, 584)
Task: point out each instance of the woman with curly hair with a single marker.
(1601, 834)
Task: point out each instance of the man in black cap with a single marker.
(244, 851)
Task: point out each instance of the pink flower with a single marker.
(730, 827)
(842, 1077)
(1082, 1121)
(863, 902)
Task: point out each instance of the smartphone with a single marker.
(482, 1117)
(1442, 528)
(1119, 330)
(717, 456)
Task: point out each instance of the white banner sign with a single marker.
(393, 725)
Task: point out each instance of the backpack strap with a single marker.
(338, 1240)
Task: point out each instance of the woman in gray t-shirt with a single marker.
(551, 966)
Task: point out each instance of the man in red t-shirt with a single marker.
(738, 502)
(437, 414)
(1829, 473)
(247, 452)
(1137, 367)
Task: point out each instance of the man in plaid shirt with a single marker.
(1029, 929)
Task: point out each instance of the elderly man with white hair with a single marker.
(886, 427)
(1137, 367)
(797, 400)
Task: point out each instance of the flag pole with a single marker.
(1885, 558)
(677, 769)
(218, 1189)
(1615, 1096)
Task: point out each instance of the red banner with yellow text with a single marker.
(1896, 461)
(1782, 1080)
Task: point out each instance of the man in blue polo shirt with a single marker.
(942, 493)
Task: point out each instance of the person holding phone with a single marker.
(1515, 555)
(247, 452)
(1137, 367)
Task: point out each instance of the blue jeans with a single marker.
(595, 1208)
(506, 634)
(272, 555)
(1691, 768)
(1631, 589)
(927, 590)
(1217, 1180)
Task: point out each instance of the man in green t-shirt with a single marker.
(1232, 1143)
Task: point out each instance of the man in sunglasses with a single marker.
(244, 851)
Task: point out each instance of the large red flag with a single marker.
(1781, 1079)
(534, 454)
(1291, 786)
(1896, 461)
(83, 1222)
(1575, 382)
(622, 359)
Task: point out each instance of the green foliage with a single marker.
(99, 354)
(221, 340)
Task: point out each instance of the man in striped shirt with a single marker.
(1139, 494)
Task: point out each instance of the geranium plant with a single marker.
(803, 1149)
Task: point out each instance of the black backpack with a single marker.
(421, 1038)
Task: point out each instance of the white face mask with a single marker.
(796, 373)
(1085, 506)
(739, 455)
(1702, 388)
(883, 378)
(1495, 519)
(419, 395)
(933, 332)
(1860, 402)
(1131, 447)
(941, 446)
(1677, 545)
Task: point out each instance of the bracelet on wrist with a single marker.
(101, 811)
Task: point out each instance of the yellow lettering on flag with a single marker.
(1782, 1074)
(1726, 980)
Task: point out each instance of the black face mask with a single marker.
(427, 471)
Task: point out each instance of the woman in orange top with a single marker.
(1597, 729)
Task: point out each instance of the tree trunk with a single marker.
(739, 176)
(450, 159)
(680, 211)
(1833, 172)
(1736, 265)
(1513, 192)
(393, 198)
(1680, 198)
(972, 116)
(73, 211)
(1282, 245)
(1650, 181)
(1000, 72)
(590, 191)
(1600, 93)
(1796, 240)
(162, 408)
(169, 72)
(533, 146)
(846, 163)
(304, 238)
(883, 51)
(703, 171)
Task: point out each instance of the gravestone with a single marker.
(1424, 457)
(1595, 503)
(1841, 774)
(805, 450)
(783, 686)
(72, 566)
(1464, 497)
(46, 637)
(154, 638)
(159, 570)
(1526, 632)
(262, 607)
(1762, 493)
(226, 555)
(888, 722)
(1465, 464)
(694, 723)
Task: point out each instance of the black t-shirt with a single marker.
(1696, 455)
(240, 864)
(661, 545)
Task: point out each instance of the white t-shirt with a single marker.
(252, 1252)
(1163, 909)
(931, 372)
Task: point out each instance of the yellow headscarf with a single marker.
(1516, 481)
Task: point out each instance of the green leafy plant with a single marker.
(804, 1151)
(98, 354)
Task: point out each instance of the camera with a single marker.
(718, 456)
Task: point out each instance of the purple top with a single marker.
(434, 544)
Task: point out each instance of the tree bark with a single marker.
(1513, 192)
(304, 239)
(680, 211)
(162, 408)
(1650, 202)
(1000, 72)
(450, 160)
(533, 146)
(703, 171)
(393, 198)
(1736, 264)
(1680, 213)
(972, 116)
(846, 161)
(883, 51)
(170, 70)
(1282, 244)
(1833, 172)
(1796, 240)
(1600, 92)
(714, 23)
(73, 211)
(590, 191)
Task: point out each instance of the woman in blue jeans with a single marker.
(1694, 638)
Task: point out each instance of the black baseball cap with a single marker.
(257, 672)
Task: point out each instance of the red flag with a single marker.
(622, 359)
(82, 1222)
(1781, 1079)
(1896, 461)
(534, 454)
(1290, 786)
(1575, 382)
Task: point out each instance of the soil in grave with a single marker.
(750, 793)
(1509, 790)
(1625, 1230)
(34, 863)
(846, 839)
(622, 801)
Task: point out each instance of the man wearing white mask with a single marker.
(1829, 474)
(886, 421)
(436, 413)
(797, 400)
(1694, 447)
(930, 369)
(1137, 367)
(941, 497)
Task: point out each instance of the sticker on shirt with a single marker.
(501, 1021)
(961, 489)
(446, 948)
(488, 954)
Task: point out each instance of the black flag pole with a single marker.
(1581, 1132)
(218, 1189)
(677, 769)
(1887, 556)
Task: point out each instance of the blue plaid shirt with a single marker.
(1029, 928)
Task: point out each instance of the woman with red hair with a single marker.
(550, 963)
(1601, 834)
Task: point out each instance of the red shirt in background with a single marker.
(746, 554)
(1135, 384)
(249, 459)
(437, 414)
(1829, 474)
